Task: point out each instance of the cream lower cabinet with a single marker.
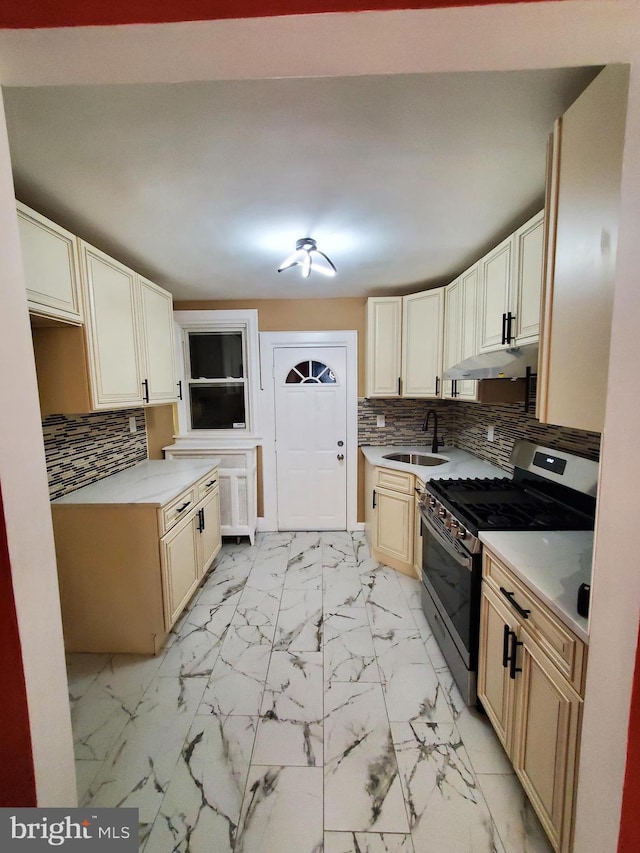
(126, 571)
(187, 552)
(530, 675)
(390, 517)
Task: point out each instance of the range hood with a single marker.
(508, 363)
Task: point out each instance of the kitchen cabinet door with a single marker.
(582, 210)
(422, 343)
(394, 525)
(496, 270)
(180, 567)
(528, 248)
(209, 539)
(159, 369)
(51, 268)
(112, 330)
(467, 389)
(545, 742)
(495, 687)
(384, 351)
(452, 333)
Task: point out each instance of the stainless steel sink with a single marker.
(415, 458)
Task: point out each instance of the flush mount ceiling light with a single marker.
(308, 256)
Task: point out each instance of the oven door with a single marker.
(451, 577)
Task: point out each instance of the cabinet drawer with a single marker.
(178, 508)
(207, 484)
(399, 481)
(567, 652)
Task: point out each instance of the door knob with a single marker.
(340, 457)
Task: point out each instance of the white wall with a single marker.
(491, 38)
(28, 520)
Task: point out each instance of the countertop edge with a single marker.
(186, 474)
(580, 629)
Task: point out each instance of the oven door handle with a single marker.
(462, 560)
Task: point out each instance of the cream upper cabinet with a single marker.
(51, 269)
(112, 330)
(422, 340)
(122, 355)
(159, 368)
(384, 352)
(509, 289)
(496, 271)
(460, 331)
(528, 248)
(467, 389)
(530, 676)
(583, 197)
(452, 333)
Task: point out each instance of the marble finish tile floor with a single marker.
(301, 705)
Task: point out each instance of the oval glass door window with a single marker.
(311, 371)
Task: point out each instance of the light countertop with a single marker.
(459, 463)
(155, 481)
(551, 564)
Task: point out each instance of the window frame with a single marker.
(245, 322)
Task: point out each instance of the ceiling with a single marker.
(403, 180)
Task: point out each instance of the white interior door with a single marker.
(310, 396)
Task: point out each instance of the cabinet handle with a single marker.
(510, 318)
(504, 329)
(454, 388)
(179, 383)
(399, 386)
(505, 647)
(200, 520)
(210, 483)
(183, 507)
(145, 383)
(374, 499)
(437, 385)
(513, 657)
(510, 596)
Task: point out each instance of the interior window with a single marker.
(217, 382)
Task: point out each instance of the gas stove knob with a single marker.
(454, 522)
(442, 512)
(432, 501)
(461, 532)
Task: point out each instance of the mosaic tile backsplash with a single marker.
(465, 425)
(81, 449)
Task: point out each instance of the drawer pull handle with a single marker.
(183, 507)
(210, 483)
(510, 596)
(505, 647)
(514, 656)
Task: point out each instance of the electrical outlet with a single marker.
(379, 420)
(490, 433)
(133, 426)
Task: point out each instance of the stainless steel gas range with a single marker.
(550, 490)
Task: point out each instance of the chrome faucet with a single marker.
(435, 444)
